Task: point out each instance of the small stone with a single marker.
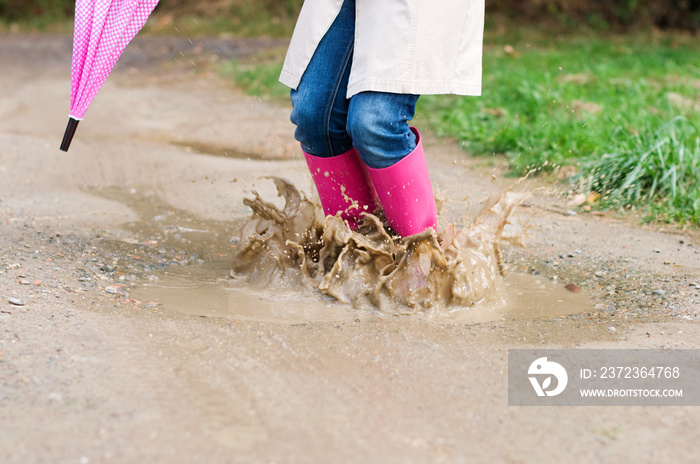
(659, 292)
(656, 250)
(573, 288)
(16, 301)
(111, 290)
(612, 329)
(24, 282)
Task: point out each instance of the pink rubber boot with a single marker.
(341, 181)
(406, 194)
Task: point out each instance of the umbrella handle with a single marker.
(68, 135)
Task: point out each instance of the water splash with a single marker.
(368, 267)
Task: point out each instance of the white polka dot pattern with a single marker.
(103, 29)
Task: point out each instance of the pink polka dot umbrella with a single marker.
(103, 29)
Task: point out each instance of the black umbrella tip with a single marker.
(70, 132)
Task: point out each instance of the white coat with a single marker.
(401, 46)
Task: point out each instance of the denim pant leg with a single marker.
(320, 107)
(378, 126)
(328, 124)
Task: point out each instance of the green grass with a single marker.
(657, 169)
(237, 25)
(43, 23)
(259, 77)
(624, 111)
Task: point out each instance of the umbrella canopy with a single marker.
(103, 29)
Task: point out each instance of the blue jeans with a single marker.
(329, 124)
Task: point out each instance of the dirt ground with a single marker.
(153, 186)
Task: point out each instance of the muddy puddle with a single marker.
(294, 266)
(207, 290)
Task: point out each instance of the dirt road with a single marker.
(152, 188)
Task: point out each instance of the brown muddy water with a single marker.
(293, 266)
(207, 290)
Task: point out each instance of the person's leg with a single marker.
(320, 113)
(319, 105)
(378, 125)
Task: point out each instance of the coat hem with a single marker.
(395, 86)
(415, 88)
(290, 80)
